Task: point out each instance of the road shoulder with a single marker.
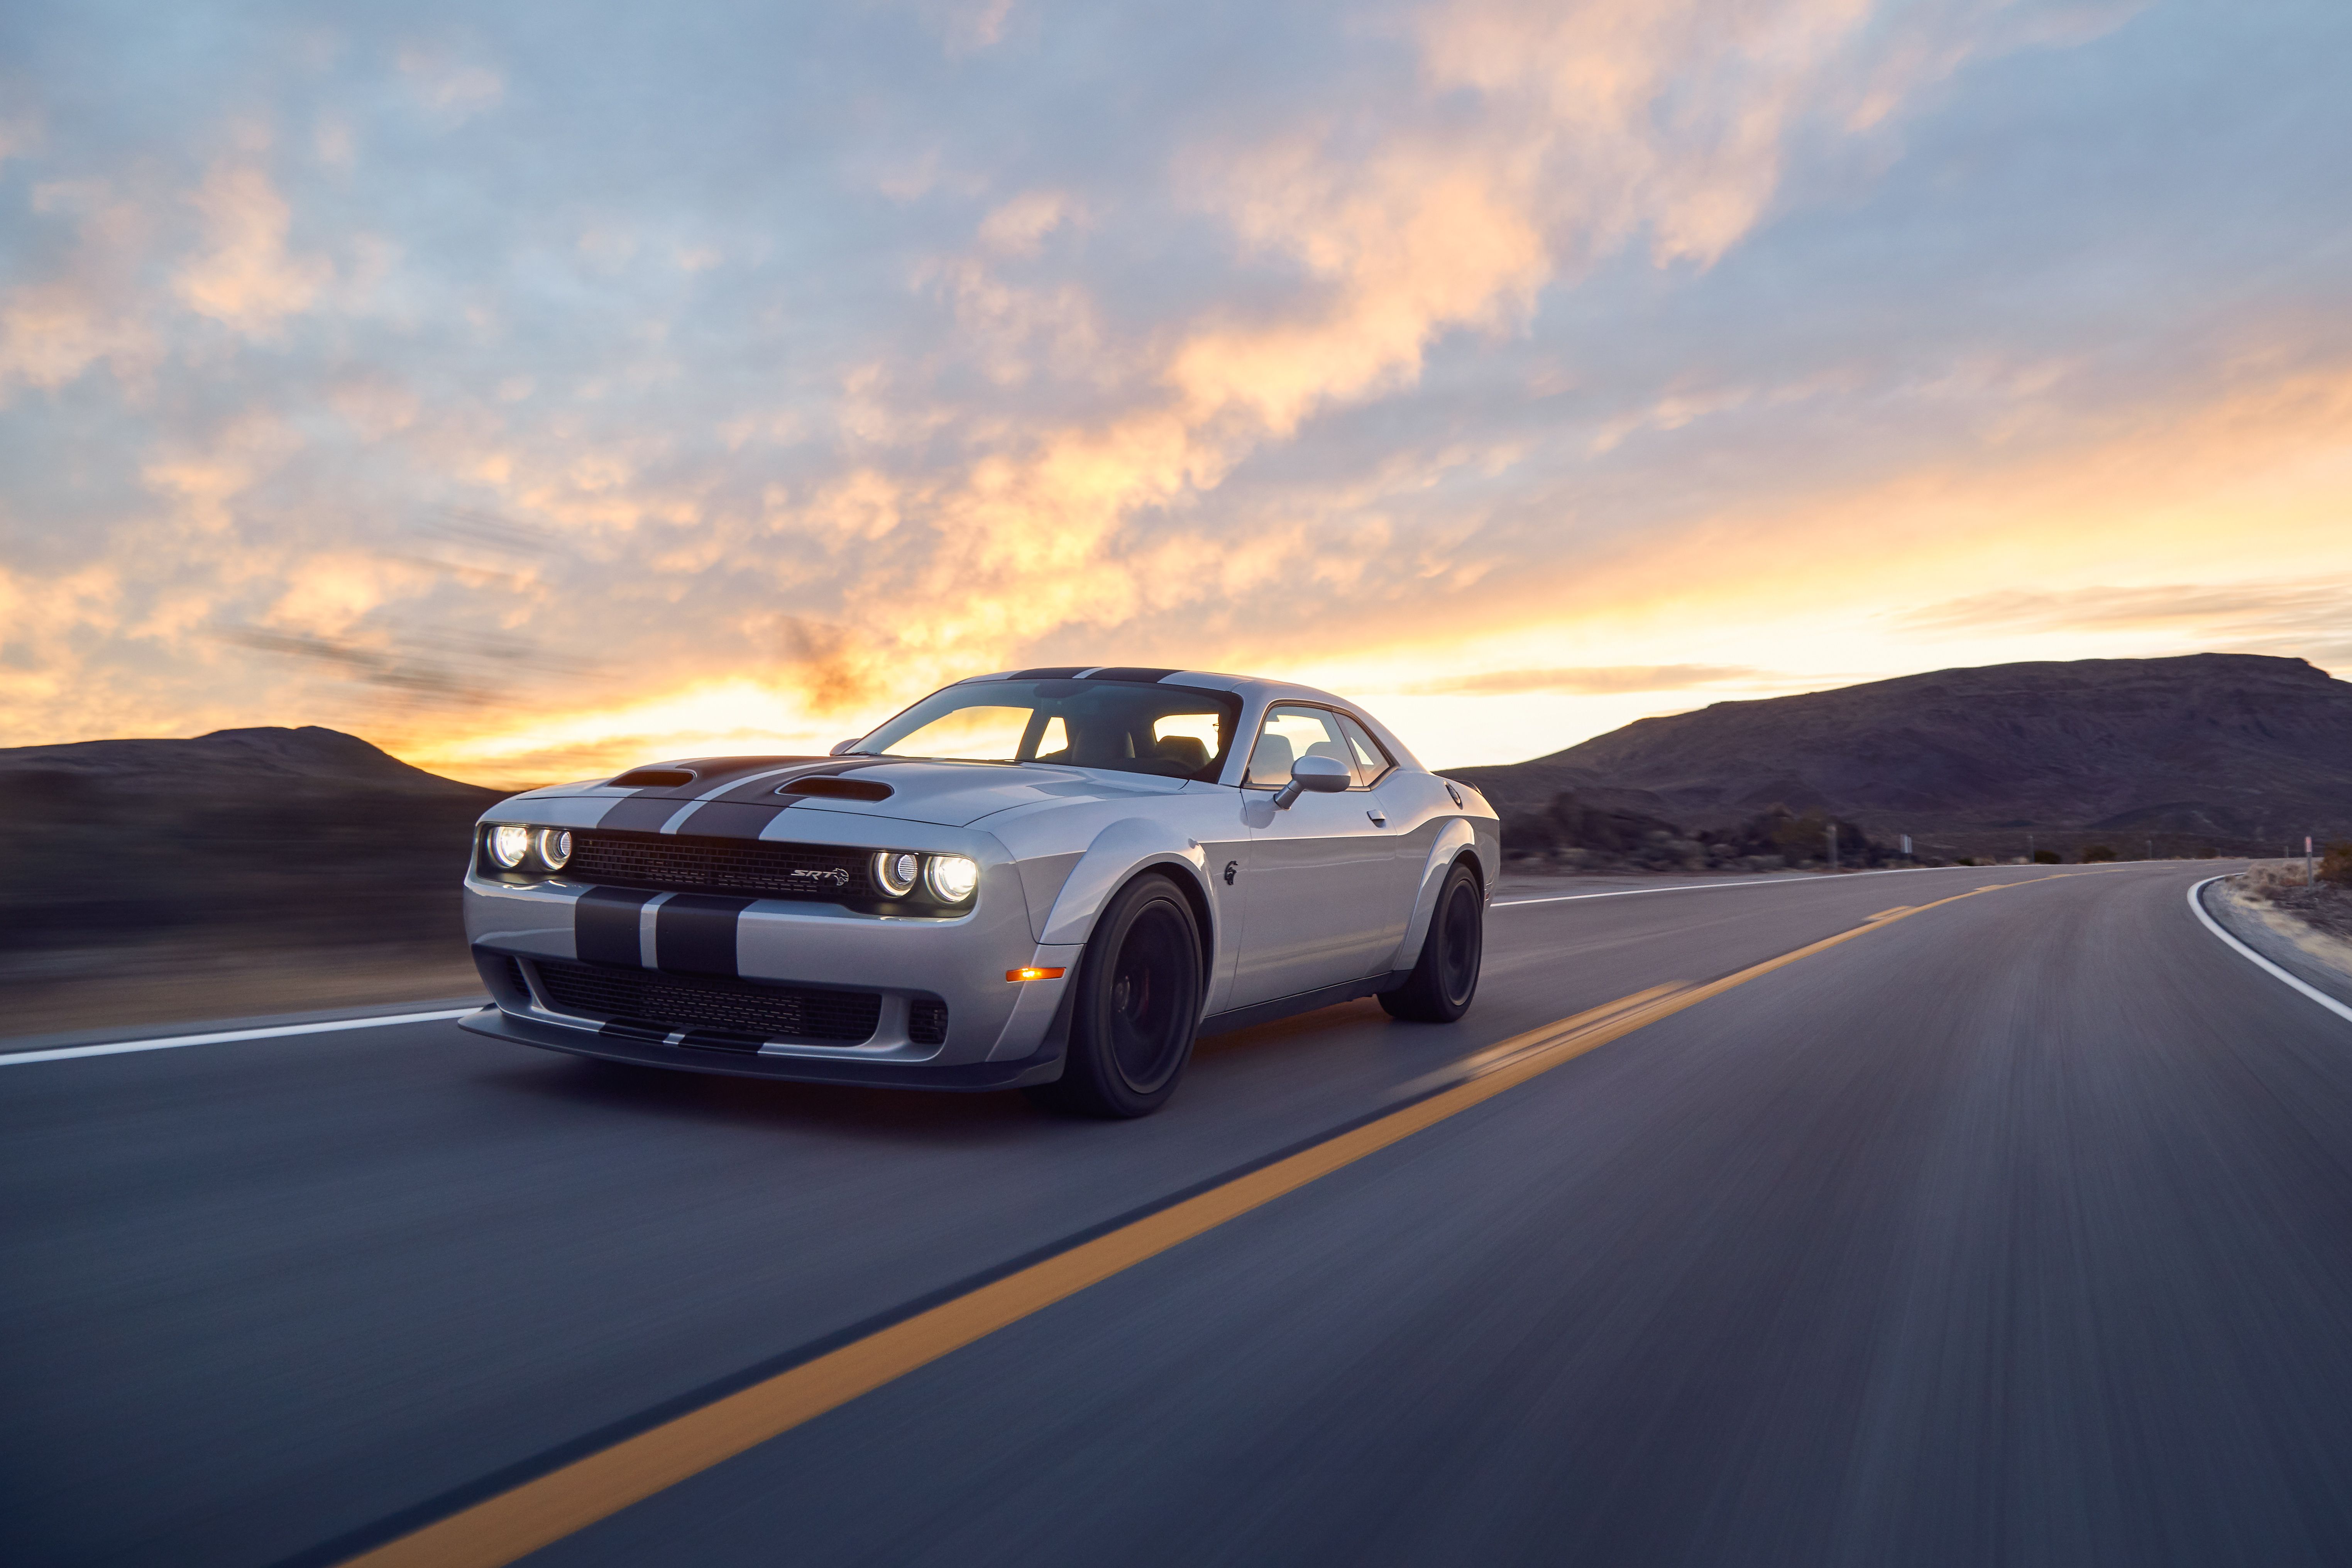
(2320, 959)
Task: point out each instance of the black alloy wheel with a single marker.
(1444, 982)
(1137, 1007)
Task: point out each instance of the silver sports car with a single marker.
(1051, 879)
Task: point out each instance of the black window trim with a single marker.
(1391, 763)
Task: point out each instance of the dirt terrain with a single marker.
(2314, 917)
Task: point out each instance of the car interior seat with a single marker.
(1270, 763)
(1185, 751)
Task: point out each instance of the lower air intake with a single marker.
(926, 1022)
(735, 1006)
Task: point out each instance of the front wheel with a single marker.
(1136, 1007)
(1443, 983)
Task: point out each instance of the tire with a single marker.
(1136, 1009)
(1444, 981)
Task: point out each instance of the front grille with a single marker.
(733, 1006)
(743, 866)
(926, 1022)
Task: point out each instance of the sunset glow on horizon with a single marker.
(538, 392)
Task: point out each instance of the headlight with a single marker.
(509, 842)
(555, 848)
(895, 872)
(951, 877)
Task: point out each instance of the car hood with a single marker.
(948, 794)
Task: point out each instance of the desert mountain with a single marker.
(264, 836)
(307, 759)
(2232, 750)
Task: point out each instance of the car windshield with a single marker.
(1174, 731)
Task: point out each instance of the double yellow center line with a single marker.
(514, 1523)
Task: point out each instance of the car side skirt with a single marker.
(1303, 1002)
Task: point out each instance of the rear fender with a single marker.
(1456, 839)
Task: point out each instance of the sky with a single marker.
(535, 389)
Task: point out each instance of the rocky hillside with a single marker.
(2231, 751)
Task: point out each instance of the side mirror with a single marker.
(1322, 775)
(842, 748)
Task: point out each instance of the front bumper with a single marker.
(784, 980)
(585, 1040)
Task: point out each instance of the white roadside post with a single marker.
(2306, 860)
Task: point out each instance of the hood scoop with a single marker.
(652, 778)
(822, 787)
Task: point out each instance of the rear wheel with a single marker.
(1138, 1005)
(1443, 983)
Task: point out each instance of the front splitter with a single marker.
(967, 1077)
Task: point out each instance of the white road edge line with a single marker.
(1761, 882)
(2256, 959)
(172, 1042)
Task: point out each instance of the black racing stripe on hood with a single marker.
(647, 810)
(743, 811)
(730, 819)
(710, 773)
(643, 812)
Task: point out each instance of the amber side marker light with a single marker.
(1034, 973)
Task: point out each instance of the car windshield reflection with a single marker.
(1170, 731)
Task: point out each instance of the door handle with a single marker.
(1378, 820)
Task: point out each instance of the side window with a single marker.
(1290, 734)
(1371, 760)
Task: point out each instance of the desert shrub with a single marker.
(1796, 840)
(2045, 857)
(2272, 878)
(2097, 852)
(2338, 866)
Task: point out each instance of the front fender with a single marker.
(1121, 850)
(1452, 840)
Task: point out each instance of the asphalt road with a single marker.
(2013, 1231)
